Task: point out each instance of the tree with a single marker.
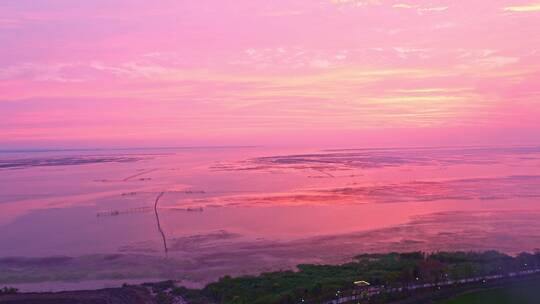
(8, 290)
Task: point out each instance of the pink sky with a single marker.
(287, 72)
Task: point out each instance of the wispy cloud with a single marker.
(332, 64)
(420, 9)
(433, 9)
(498, 61)
(403, 5)
(527, 8)
(357, 2)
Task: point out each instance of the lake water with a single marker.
(87, 218)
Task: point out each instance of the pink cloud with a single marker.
(233, 71)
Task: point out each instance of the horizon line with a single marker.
(42, 150)
(16, 150)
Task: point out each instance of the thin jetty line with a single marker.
(159, 225)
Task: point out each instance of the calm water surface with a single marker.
(248, 201)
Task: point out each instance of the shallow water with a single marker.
(259, 209)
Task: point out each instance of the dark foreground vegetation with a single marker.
(124, 295)
(514, 293)
(414, 277)
(393, 277)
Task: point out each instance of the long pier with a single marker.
(159, 224)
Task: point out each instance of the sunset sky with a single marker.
(283, 72)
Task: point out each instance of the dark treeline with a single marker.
(320, 283)
(8, 290)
